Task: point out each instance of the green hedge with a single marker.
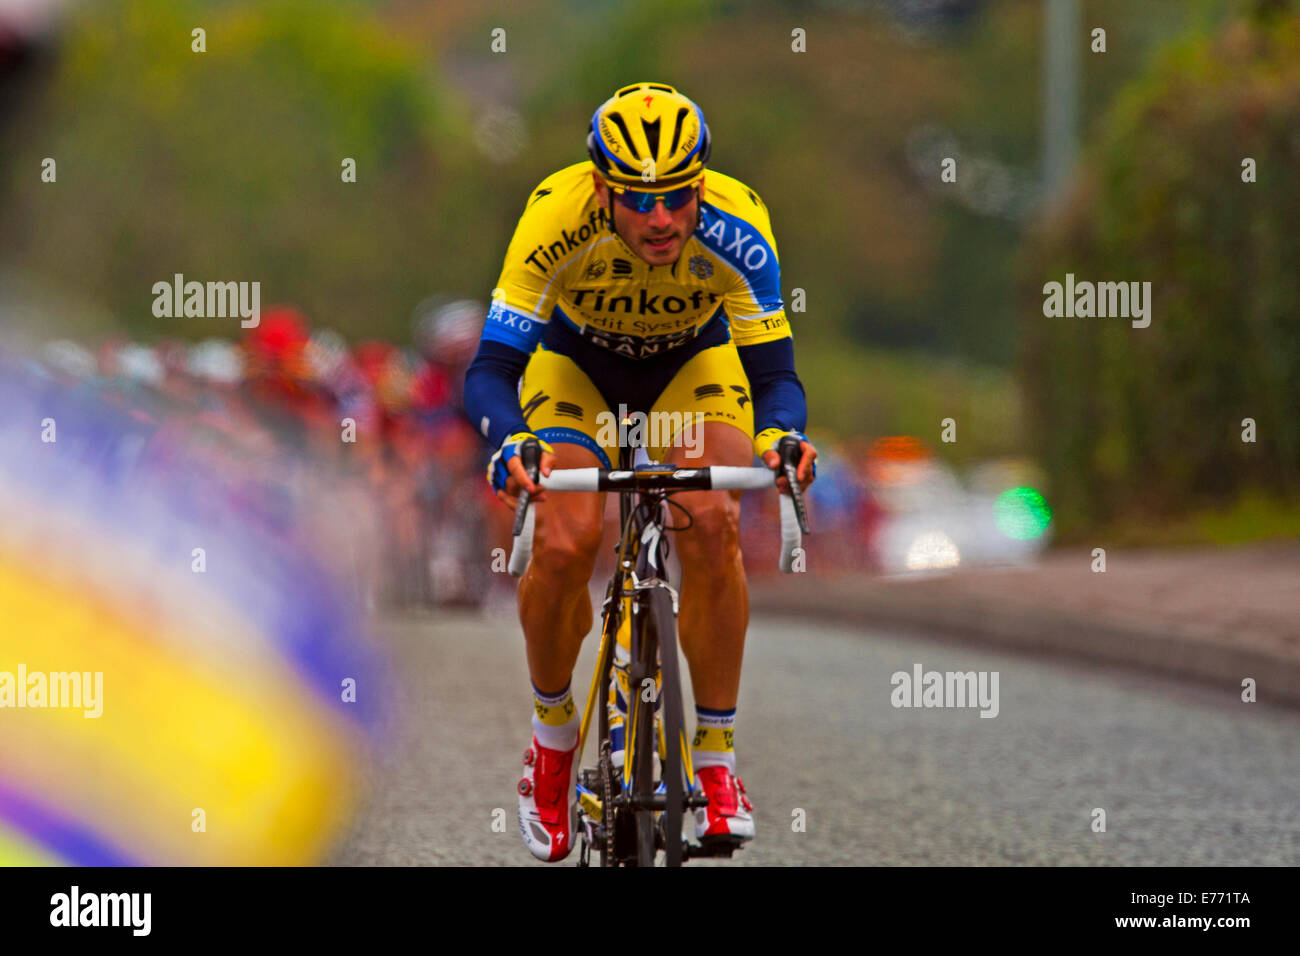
(1148, 420)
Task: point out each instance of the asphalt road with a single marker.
(1186, 775)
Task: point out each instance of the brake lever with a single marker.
(789, 450)
(530, 453)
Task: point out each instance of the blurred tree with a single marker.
(227, 164)
(1149, 420)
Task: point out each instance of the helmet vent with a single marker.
(677, 129)
(627, 136)
(651, 135)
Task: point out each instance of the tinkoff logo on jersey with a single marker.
(595, 300)
(548, 254)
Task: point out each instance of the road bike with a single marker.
(625, 814)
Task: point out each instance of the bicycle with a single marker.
(625, 815)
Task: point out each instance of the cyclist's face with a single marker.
(657, 236)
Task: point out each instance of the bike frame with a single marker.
(643, 560)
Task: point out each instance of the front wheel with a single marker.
(663, 624)
(641, 744)
(655, 650)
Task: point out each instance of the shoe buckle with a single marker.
(744, 797)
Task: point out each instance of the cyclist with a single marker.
(636, 284)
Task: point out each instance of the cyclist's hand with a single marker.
(806, 471)
(518, 480)
(507, 473)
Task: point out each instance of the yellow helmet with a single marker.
(649, 133)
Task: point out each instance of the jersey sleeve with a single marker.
(738, 229)
(520, 303)
(779, 399)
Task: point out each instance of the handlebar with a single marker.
(794, 515)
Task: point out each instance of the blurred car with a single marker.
(932, 521)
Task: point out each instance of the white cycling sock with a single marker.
(714, 743)
(555, 719)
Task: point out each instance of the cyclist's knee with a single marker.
(714, 535)
(567, 542)
(569, 525)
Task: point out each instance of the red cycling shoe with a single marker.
(546, 809)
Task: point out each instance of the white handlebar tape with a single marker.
(570, 479)
(791, 537)
(523, 547)
(731, 478)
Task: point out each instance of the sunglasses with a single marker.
(645, 202)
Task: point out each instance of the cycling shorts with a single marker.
(562, 403)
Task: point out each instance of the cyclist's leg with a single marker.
(561, 405)
(711, 394)
(715, 596)
(714, 606)
(554, 603)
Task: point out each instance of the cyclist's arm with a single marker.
(492, 403)
(492, 391)
(752, 302)
(780, 406)
(512, 329)
(777, 393)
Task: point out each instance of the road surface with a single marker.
(1186, 775)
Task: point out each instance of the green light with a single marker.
(1021, 513)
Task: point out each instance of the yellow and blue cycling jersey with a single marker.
(571, 286)
(566, 265)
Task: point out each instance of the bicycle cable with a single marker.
(684, 510)
(644, 512)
